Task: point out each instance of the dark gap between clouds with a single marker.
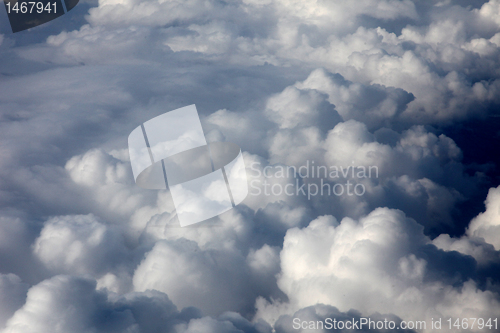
(479, 140)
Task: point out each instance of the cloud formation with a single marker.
(369, 85)
(381, 263)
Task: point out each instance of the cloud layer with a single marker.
(297, 85)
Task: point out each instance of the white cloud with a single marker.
(481, 238)
(12, 296)
(61, 304)
(194, 277)
(338, 83)
(372, 104)
(79, 245)
(487, 225)
(376, 264)
(16, 235)
(314, 317)
(293, 107)
(70, 304)
(109, 181)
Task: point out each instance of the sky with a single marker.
(407, 89)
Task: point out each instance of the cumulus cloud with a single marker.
(371, 84)
(109, 181)
(480, 240)
(373, 105)
(487, 225)
(197, 277)
(60, 304)
(435, 63)
(12, 296)
(381, 263)
(322, 316)
(79, 245)
(70, 304)
(415, 170)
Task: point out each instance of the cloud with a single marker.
(414, 168)
(487, 225)
(60, 304)
(293, 107)
(480, 240)
(381, 263)
(192, 276)
(12, 296)
(70, 304)
(16, 259)
(79, 245)
(323, 316)
(371, 84)
(372, 104)
(109, 181)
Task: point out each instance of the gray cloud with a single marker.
(370, 84)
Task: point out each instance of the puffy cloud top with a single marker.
(372, 84)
